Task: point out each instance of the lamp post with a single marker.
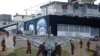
(50, 43)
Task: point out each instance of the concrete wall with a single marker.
(81, 11)
(22, 18)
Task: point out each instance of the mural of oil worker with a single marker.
(41, 27)
(31, 28)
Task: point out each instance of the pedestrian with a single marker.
(14, 40)
(3, 44)
(42, 50)
(28, 47)
(88, 44)
(58, 49)
(81, 43)
(72, 47)
(97, 50)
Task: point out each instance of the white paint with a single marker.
(41, 27)
(31, 27)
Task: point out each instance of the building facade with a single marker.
(20, 19)
(64, 26)
(72, 9)
(66, 19)
(5, 19)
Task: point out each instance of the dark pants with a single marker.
(14, 44)
(3, 48)
(28, 51)
(53, 53)
(88, 47)
(80, 46)
(72, 51)
(95, 53)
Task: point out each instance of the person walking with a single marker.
(28, 47)
(72, 47)
(42, 50)
(58, 49)
(81, 43)
(88, 44)
(3, 44)
(14, 40)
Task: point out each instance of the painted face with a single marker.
(31, 27)
(22, 29)
(41, 27)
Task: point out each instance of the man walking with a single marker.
(3, 44)
(14, 40)
(42, 50)
(81, 43)
(57, 49)
(28, 47)
(72, 47)
(88, 44)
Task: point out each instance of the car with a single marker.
(95, 39)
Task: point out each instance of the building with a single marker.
(20, 19)
(82, 1)
(64, 26)
(5, 19)
(71, 9)
(82, 22)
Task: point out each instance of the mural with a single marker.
(22, 29)
(41, 27)
(31, 27)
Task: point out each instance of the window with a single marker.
(66, 28)
(87, 30)
(71, 28)
(81, 29)
(64, 6)
(76, 28)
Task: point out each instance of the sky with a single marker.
(18, 6)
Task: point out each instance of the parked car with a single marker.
(95, 38)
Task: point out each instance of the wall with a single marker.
(22, 18)
(54, 20)
(76, 30)
(39, 25)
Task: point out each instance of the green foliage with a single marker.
(12, 54)
(22, 52)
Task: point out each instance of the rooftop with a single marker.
(58, 2)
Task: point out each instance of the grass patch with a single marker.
(65, 53)
(22, 52)
(12, 54)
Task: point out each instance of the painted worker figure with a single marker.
(42, 50)
(88, 44)
(14, 40)
(72, 47)
(3, 44)
(53, 53)
(58, 49)
(28, 47)
(81, 43)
